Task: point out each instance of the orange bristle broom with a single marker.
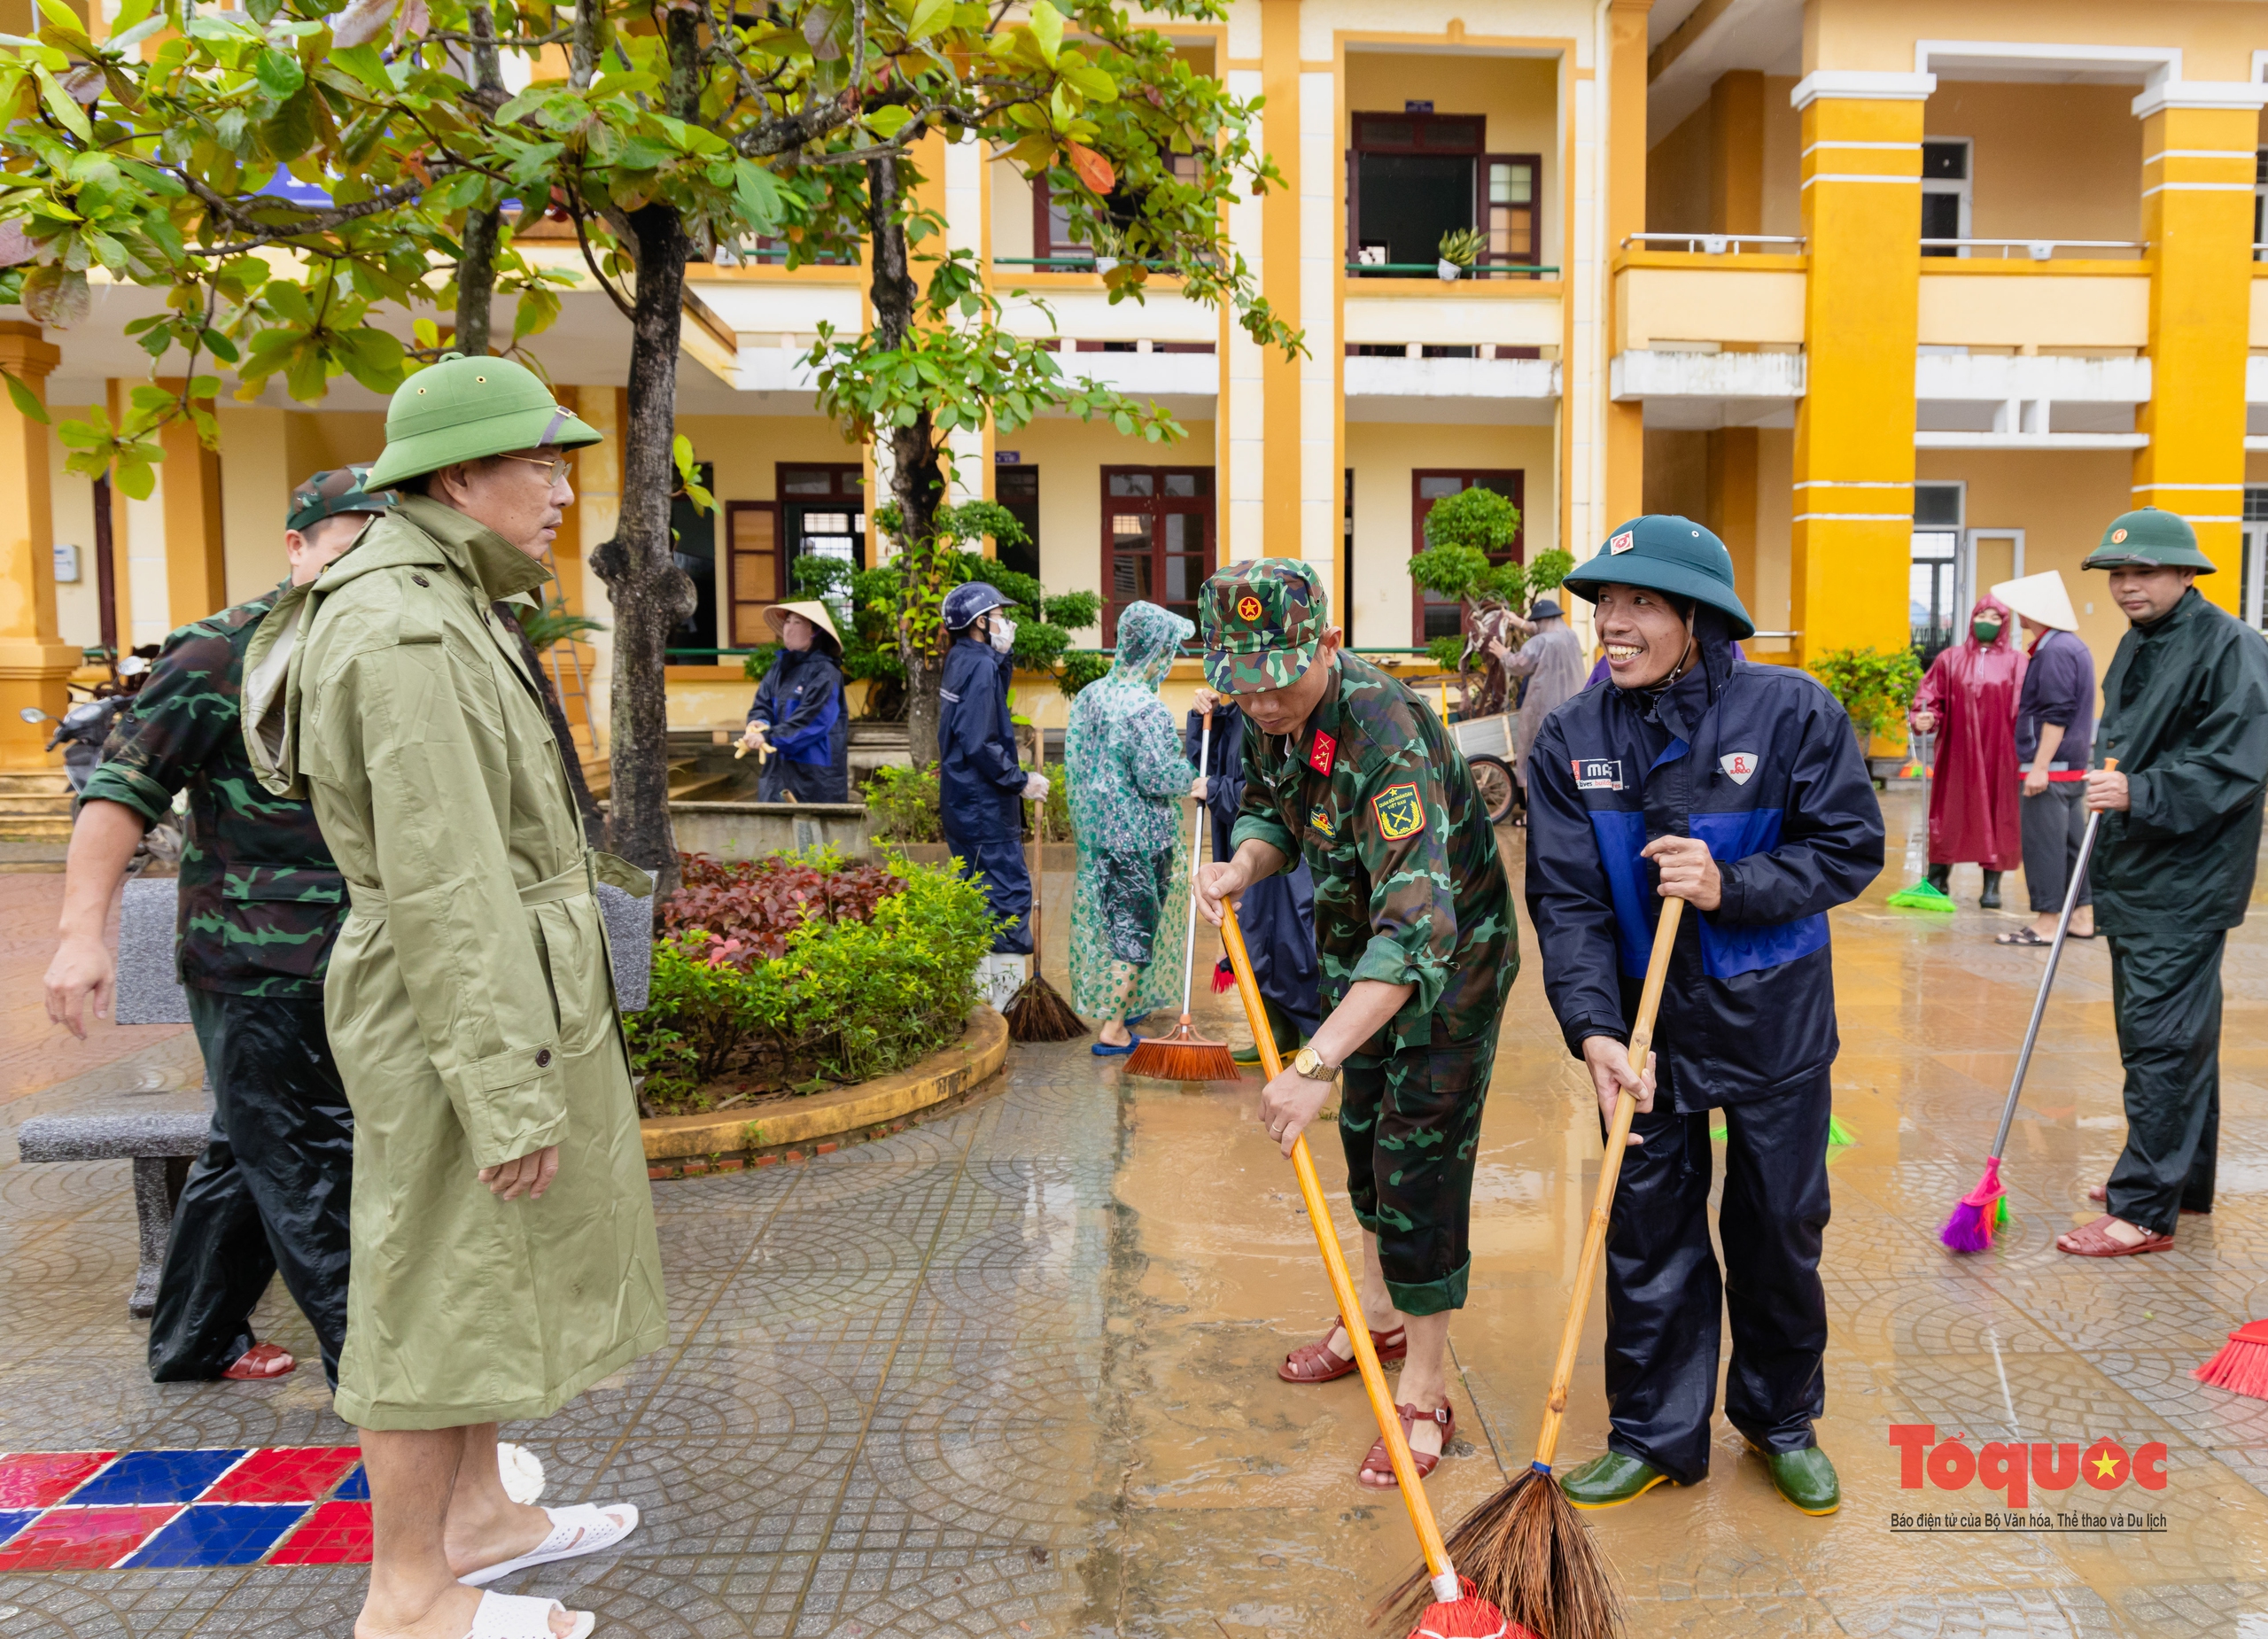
(1985, 1207)
(2241, 1367)
(1185, 1055)
(1527, 1549)
(1457, 1611)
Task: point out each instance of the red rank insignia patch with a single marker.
(1324, 753)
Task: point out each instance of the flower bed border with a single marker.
(693, 1145)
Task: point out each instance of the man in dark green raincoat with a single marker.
(2185, 717)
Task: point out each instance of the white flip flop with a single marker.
(585, 1528)
(523, 1616)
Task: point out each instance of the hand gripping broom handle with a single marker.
(1342, 1286)
(1196, 824)
(2047, 978)
(1610, 1173)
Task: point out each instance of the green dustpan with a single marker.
(1923, 896)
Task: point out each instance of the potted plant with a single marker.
(1461, 532)
(1460, 248)
(1873, 689)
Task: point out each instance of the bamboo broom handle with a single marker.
(1610, 1173)
(1196, 824)
(1342, 1285)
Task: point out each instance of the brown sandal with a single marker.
(250, 1367)
(2093, 1241)
(1379, 1464)
(1314, 1362)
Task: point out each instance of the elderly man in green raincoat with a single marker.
(2184, 715)
(504, 1253)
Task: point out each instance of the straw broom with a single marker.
(1185, 1055)
(1526, 1547)
(1038, 1011)
(1985, 1207)
(1455, 1610)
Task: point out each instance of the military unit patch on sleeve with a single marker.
(1320, 820)
(1324, 753)
(1401, 812)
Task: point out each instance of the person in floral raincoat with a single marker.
(1127, 776)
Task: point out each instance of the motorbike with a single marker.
(83, 728)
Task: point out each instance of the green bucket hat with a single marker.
(2149, 538)
(465, 408)
(1262, 621)
(333, 490)
(1667, 553)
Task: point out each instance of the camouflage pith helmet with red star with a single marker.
(1262, 620)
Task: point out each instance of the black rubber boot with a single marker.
(1939, 875)
(1992, 899)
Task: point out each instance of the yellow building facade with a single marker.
(1901, 298)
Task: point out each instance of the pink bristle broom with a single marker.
(1985, 1207)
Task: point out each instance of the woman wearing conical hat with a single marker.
(2054, 734)
(798, 719)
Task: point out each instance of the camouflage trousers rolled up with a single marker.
(1411, 1121)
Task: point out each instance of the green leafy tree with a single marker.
(680, 130)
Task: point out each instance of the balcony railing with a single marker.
(1411, 269)
(2037, 250)
(1722, 244)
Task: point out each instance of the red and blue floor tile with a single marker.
(91, 1510)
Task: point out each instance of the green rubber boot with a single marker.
(1607, 1481)
(1806, 1478)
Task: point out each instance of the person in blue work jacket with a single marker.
(1740, 789)
(980, 783)
(798, 720)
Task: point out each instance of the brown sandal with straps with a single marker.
(1314, 1363)
(1377, 1472)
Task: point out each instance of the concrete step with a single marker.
(15, 829)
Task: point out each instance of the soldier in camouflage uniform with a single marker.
(261, 903)
(1413, 925)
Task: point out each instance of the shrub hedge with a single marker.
(797, 972)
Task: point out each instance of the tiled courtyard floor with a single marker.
(1011, 1374)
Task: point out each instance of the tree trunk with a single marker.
(917, 476)
(651, 593)
(476, 258)
(477, 278)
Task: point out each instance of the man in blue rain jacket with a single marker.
(1739, 788)
(980, 782)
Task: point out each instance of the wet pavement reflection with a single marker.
(1013, 1372)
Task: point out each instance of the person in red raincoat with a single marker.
(1969, 700)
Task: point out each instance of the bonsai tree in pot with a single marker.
(1461, 532)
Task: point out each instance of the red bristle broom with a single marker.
(1457, 1611)
(1185, 1055)
(1985, 1207)
(2241, 1367)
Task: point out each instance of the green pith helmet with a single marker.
(463, 409)
(1667, 553)
(2150, 538)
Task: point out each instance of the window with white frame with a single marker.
(1934, 588)
(1945, 195)
(2259, 203)
(2250, 588)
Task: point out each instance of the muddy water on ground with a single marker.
(1226, 1503)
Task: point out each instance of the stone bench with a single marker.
(162, 1145)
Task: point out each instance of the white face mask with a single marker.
(1004, 632)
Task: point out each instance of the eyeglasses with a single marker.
(557, 467)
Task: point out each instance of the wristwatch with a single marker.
(1307, 1065)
